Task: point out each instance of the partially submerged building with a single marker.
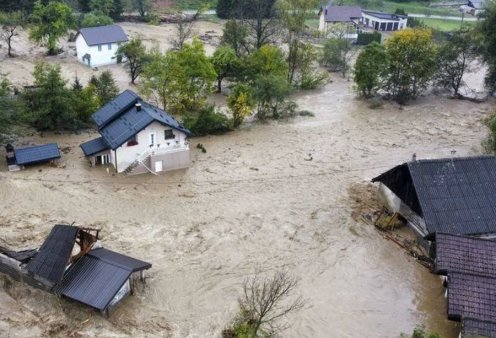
(468, 265)
(137, 137)
(348, 17)
(71, 263)
(18, 158)
(97, 46)
(450, 195)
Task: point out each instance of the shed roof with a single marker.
(132, 121)
(53, 256)
(341, 13)
(37, 154)
(472, 328)
(94, 146)
(97, 277)
(385, 16)
(453, 195)
(454, 253)
(471, 296)
(103, 34)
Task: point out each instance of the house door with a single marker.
(158, 166)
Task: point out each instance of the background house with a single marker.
(349, 16)
(137, 137)
(97, 46)
(383, 22)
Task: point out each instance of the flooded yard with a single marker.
(268, 196)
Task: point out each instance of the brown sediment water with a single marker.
(269, 196)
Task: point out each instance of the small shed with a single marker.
(17, 158)
(450, 195)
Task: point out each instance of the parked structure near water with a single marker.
(94, 276)
(451, 195)
(137, 137)
(97, 46)
(18, 158)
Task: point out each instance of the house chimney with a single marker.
(138, 106)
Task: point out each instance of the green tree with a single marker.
(369, 68)
(488, 35)
(268, 60)
(83, 101)
(135, 53)
(270, 93)
(50, 22)
(104, 87)
(225, 63)
(411, 63)
(10, 22)
(307, 77)
(49, 104)
(293, 14)
(260, 19)
(93, 19)
(104, 7)
(179, 80)
(142, 6)
(225, 8)
(236, 36)
(454, 59)
(338, 50)
(240, 102)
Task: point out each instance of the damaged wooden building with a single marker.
(72, 263)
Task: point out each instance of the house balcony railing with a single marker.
(168, 147)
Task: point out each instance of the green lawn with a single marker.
(444, 25)
(409, 7)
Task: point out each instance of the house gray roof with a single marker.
(463, 254)
(114, 108)
(341, 13)
(97, 277)
(37, 154)
(94, 146)
(120, 120)
(53, 256)
(471, 296)
(103, 34)
(472, 328)
(477, 4)
(455, 196)
(385, 16)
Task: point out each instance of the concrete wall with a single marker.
(126, 155)
(171, 161)
(98, 58)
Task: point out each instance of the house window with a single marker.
(152, 139)
(169, 134)
(132, 142)
(99, 48)
(109, 46)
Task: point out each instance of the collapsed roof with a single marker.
(453, 195)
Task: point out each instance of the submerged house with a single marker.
(450, 195)
(137, 137)
(468, 265)
(97, 46)
(383, 22)
(348, 16)
(21, 157)
(86, 272)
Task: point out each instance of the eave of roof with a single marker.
(94, 146)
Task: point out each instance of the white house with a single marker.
(97, 46)
(137, 137)
(347, 16)
(383, 22)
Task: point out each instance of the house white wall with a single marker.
(126, 155)
(322, 23)
(370, 21)
(99, 58)
(352, 29)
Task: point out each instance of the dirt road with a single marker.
(253, 200)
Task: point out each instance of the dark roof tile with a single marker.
(94, 146)
(342, 13)
(37, 154)
(103, 34)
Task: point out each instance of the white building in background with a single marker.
(137, 137)
(97, 46)
(383, 22)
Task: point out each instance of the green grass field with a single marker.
(444, 25)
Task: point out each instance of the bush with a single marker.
(364, 39)
(207, 121)
(490, 144)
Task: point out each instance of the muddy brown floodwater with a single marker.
(254, 200)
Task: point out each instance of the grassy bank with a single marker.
(444, 25)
